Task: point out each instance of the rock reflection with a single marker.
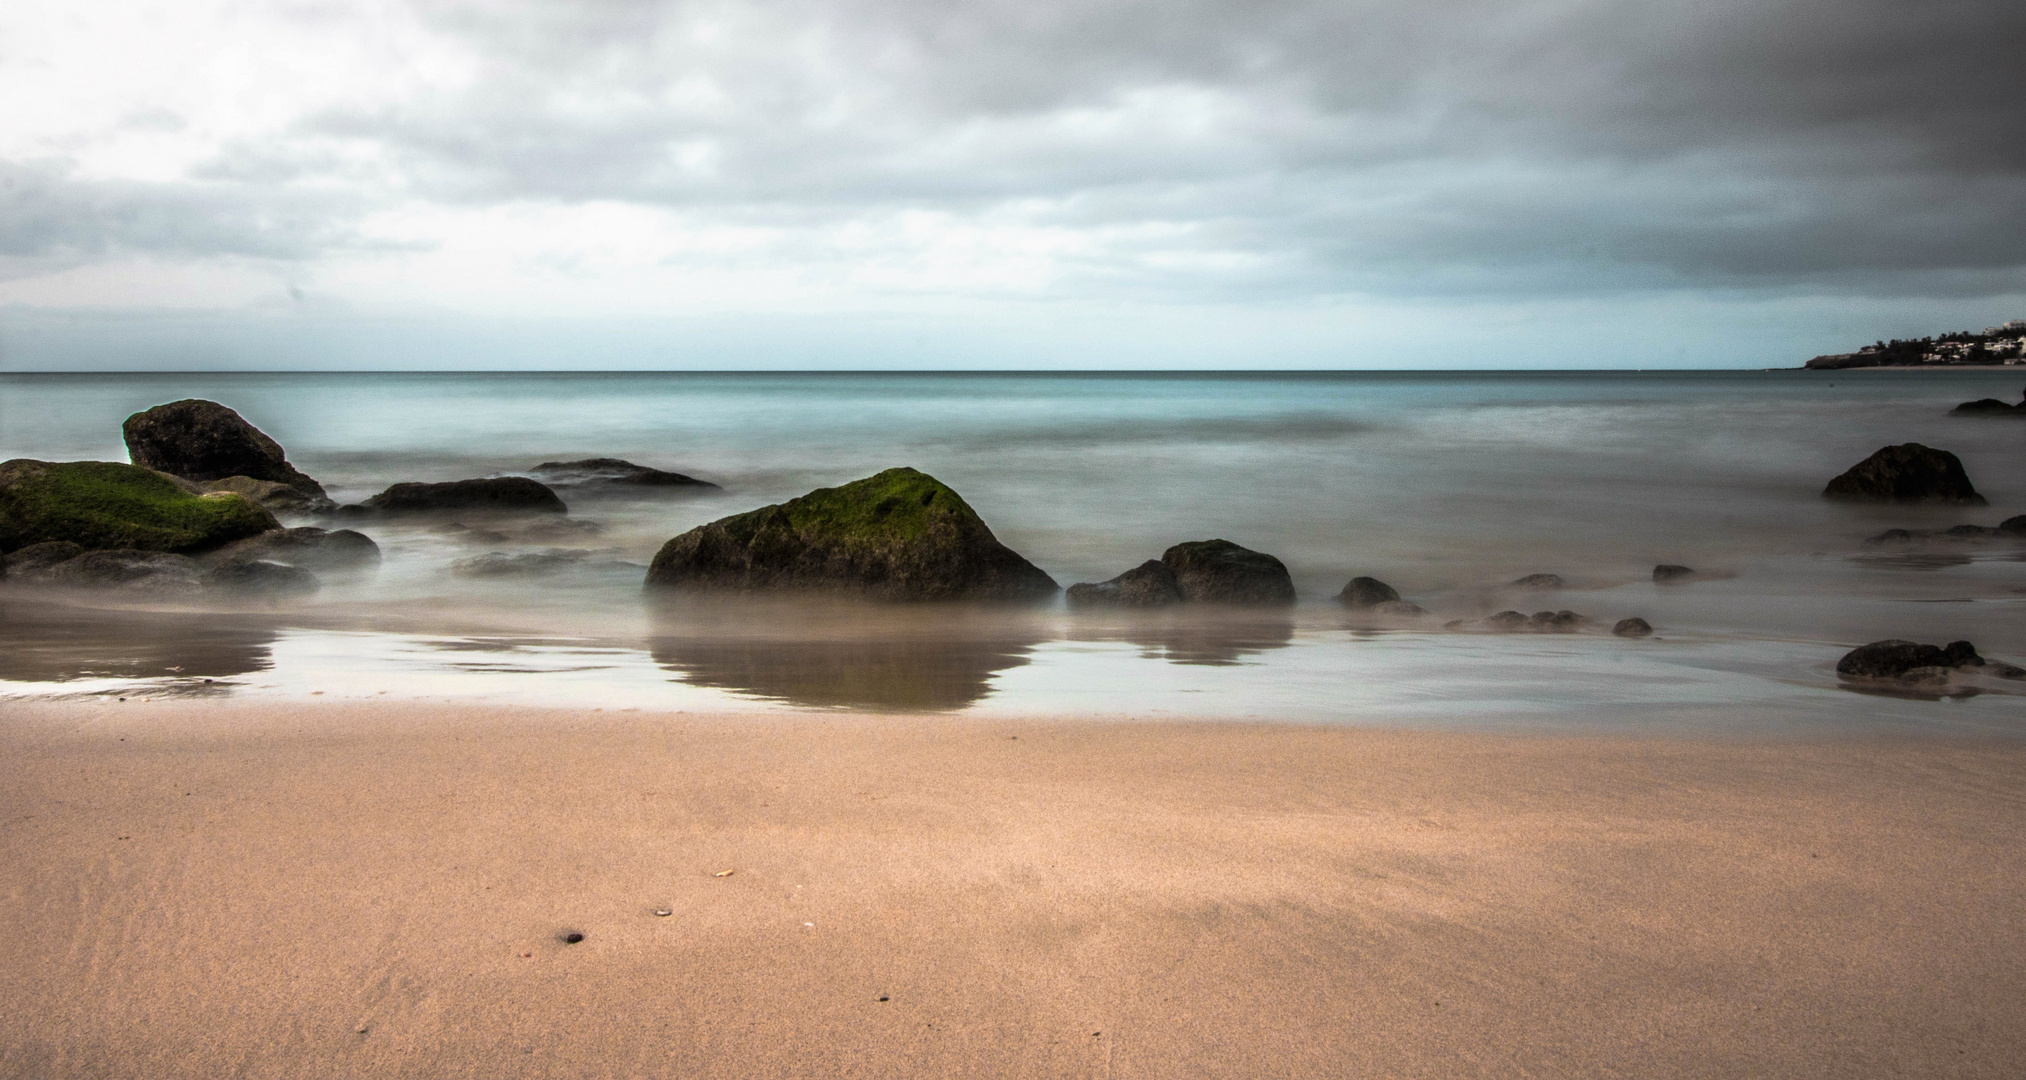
(821, 654)
(1214, 638)
(42, 642)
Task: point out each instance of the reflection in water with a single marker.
(842, 655)
(44, 642)
(1203, 636)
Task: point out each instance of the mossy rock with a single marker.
(104, 505)
(900, 535)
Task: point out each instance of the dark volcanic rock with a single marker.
(499, 493)
(1894, 659)
(203, 440)
(104, 505)
(612, 472)
(1908, 472)
(1150, 584)
(900, 535)
(258, 577)
(1666, 572)
(1365, 592)
(1541, 581)
(1221, 572)
(1632, 627)
(309, 548)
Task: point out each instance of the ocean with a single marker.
(1448, 486)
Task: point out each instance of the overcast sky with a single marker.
(861, 183)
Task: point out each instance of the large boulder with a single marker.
(1150, 584)
(105, 505)
(308, 548)
(502, 494)
(1367, 592)
(900, 535)
(1908, 472)
(612, 472)
(1221, 572)
(203, 440)
(276, 496)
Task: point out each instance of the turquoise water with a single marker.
(1445, 485)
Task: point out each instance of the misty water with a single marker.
(1448, 486)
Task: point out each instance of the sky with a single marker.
(724, 184)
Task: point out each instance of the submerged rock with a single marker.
(1150, 584)
(1556, 622)
(150, 573)
(259, 577)
(1971, 532)
(104, 505)
(504, 494)
(1667, 572)
(28, 563)
(1541, 581)
(1221, 572)
(1891, 536)
(1632, 627)
(899, 535)
(309, 548)
(1896, 659)
(1907, 472)
(1397, 607)
(1988, 407)
(521, 564)
(613, 472)
(203, 440)
(1367, 592)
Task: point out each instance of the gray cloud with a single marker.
(1228, 147)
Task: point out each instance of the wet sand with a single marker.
(201, 889)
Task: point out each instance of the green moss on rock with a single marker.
(900, 535)
(103, 505)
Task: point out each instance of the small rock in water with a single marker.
(1397, 607)
(1908, 472)
(1891, 536)
(258, 577)
(1150, 584)
(1897, 659)
(1221, 572)
(1670, 572)
(1541, 581)
(1366, 592)
(1507, 620)
(1555, 622)
(2014, 525)
(1632, 627)
(1971, 532)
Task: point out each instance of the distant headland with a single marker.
(1996, 346)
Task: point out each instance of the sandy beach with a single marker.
(202, 889)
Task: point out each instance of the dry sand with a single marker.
(210, 890)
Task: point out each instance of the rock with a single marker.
(1894, 659)
(1365, 592)
(1555, 622)
(1987, 407)
(30, 562)
(1507, 620)
(465, 534)
(1150, 584)
(203, 440)
(899, 535)
(556, 529)
(259, 577)
(1541, 581)
(102, 505)
(1891, 536)
(1633, 627)
(612, 472)
(1667, 572)
(2013, 525)
(1907, 472)
(309, 548)
(1221, 572)
(149, 573)
(1397, 607)
(524, 564)
(277, 497)
(1971, 532)
(500, 493)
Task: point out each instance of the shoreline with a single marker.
(294, 889)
